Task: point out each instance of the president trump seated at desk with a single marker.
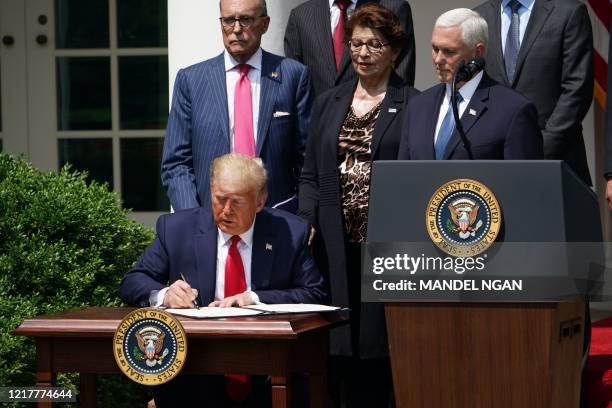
(240, 254)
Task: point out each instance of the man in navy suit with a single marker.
(209, 111)
(498, 121)
(275, 265)
(239, 255)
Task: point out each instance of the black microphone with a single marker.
(465, 72)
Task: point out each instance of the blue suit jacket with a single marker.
(198, 128)
(282, 268)
(499, 122)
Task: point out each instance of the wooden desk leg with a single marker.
(317, 384)
(44, 367)
(88, 395)
(281, 391)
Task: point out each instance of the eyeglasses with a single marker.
(373, 45)
(244, 21)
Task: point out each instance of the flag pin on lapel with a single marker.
(392, 110)
(273, 74)
(268, 247)
(472, 112)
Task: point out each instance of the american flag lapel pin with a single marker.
(268, 247)
(472, 112)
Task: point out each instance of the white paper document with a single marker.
(292, 308)
(252, 310)
(213, 312)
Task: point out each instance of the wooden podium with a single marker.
(485, 354)
(473, 348)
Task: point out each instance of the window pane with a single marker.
(81, 24)
(83, 93)
(143, 92)
(140, 175)
(93, 155)
(142, 23)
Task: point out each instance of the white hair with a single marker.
(474, 28)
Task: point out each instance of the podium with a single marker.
(497, 349)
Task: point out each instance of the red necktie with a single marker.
(339, 31)
(238, 386)
(244, 136)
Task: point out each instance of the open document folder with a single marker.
(252, 310)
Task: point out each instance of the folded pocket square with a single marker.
(279, 114)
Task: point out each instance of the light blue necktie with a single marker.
(446, 129)
(513, 40)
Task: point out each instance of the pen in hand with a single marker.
(195, 301)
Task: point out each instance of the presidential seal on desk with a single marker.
(150, 346)
(463, 218)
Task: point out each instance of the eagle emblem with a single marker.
(464, 213)
(150, 343)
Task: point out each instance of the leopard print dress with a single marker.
(354, 158)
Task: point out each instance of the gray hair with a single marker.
(474, 28)
(264, 8)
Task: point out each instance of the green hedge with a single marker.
(63, 244)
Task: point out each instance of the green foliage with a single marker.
(63, 244)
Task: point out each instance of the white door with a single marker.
(97, 93)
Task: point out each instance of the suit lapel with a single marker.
(321, 24)
(205, 248)
(219, 95)
(271, 77)
(262, 255)
(539, 15)
(343, 99)
(495, 53)
(389, 110)
(473, 112)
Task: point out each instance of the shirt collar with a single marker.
(254, 61)
(331, 2)
(528, 4)
(468, 89)
(246, 237)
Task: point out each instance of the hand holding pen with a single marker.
(181, 295)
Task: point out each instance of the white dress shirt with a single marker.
(334, 12)
(466, 91)
(506, 17)
(245, 247)
(232, 75)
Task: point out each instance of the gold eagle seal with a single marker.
(463, 218)
(150, 346)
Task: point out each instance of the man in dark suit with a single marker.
(498, 122)
(313, 35)
(544, 50)
(245, 100)
(275, 263)
(239, 255)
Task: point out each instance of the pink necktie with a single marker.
(244, 137)
(339, 31)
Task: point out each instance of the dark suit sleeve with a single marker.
(306, 281)
(576, 83)
(151, 272)
(404, 146)
(177, 160)
(406, 64)
(293, 44)
(309, 180)
(523, 137)
(304, 106)
(608, 131)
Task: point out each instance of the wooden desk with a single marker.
(82, 341)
